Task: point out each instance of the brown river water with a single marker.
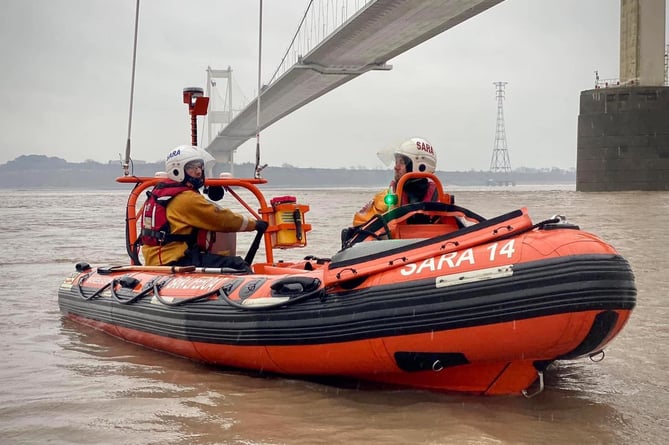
(61, 383)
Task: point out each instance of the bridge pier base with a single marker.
(623, 139)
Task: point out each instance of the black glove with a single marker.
(215, 192)
(261, 226)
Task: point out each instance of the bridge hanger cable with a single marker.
(126, 162)
(258, 167)
(297, 32)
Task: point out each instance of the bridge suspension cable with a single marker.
(320, 19)
(337, 41)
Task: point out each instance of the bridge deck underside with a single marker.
(380, 31)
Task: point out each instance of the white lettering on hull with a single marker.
(471, 257)
(205, 284)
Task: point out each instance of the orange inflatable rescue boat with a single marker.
(427, 295)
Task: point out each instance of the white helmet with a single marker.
(421, 154)
(418, 151)
(178, 158)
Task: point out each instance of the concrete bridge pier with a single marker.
(623, 139)
(623, 124)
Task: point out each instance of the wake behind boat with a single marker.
(428, 295)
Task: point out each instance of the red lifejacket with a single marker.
(155, 226)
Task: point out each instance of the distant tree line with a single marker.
(35, 171)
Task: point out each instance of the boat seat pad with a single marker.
(371, 247)
(414, 231)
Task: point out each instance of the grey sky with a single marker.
(65, 83)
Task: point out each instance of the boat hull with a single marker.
(471, 360)
(487, 335)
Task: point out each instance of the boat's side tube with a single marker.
(491, 230)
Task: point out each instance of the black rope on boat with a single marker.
(156, 292)
(96, 294)
(156, 284)
(130, 300)
(151, 287)
(222, 292)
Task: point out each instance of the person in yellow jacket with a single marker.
(179, 223)
(415, 154)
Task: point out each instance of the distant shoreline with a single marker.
(40, 172)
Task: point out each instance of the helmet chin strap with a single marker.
(196, 183)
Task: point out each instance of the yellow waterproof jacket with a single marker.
(189, 210)
(378, 204)
(375, 206)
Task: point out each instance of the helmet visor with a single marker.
(209, 163)
(192, 165)
(387, 156)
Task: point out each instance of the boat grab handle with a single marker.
(509, 228)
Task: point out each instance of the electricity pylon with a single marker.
(500, 164)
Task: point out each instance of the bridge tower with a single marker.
(220, 110)
(500, 165)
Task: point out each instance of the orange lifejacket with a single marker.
(378, 204)
(416, 220)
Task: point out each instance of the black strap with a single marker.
(248, 259)
(163, 237)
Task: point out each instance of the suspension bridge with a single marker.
(336, 41)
